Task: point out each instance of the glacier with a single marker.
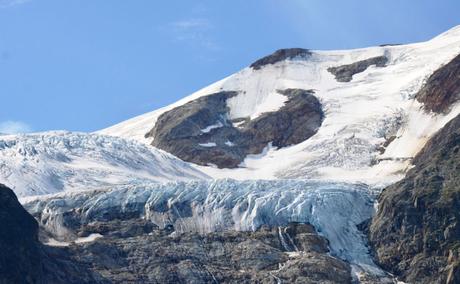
(335, 209)
(50, 162)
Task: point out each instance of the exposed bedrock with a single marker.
(416, 231)
(281, 55)
(344, 73)
(201, 132)
(295, 253)
(442, 89)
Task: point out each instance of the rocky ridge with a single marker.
(281, 55)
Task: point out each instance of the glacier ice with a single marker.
(335, 209)
(50, 162)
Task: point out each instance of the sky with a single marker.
(83, 65)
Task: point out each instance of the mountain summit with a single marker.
(350, 115)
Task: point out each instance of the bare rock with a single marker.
(442, 89)
(20, 260)
(344, 73)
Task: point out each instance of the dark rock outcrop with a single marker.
(23, 259)
(281, 55)
(389, 44)
(20, 260)
(180, 130)
(344, 73)
(416, 231)
(442, 88)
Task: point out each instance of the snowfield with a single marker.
(51, 162)
(359, 115)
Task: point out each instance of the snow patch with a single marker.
(209, 144)
(211, 127)
(88, 239)
(54, 243)
(254, 102)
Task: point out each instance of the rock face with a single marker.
(23, 259)
(200, 131)
(345, 73)
(19, 247)
(289, 254)
(281, 55)
(442, 88)
(416, 231)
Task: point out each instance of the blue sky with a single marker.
(87, 64)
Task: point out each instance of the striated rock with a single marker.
(222, 257)
(281, 55)
(416, 231)
(442, 88)
(200, 132)
(344, 73)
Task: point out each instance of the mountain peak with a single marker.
(281, 55)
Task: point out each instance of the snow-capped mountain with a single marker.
(298, 136)
(374, 122)
(44, 163)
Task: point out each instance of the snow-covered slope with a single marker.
(360, 115)
(50, 162)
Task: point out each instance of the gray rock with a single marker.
(416, 231)
(344, 73)
(222, 257)
(442, 89)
